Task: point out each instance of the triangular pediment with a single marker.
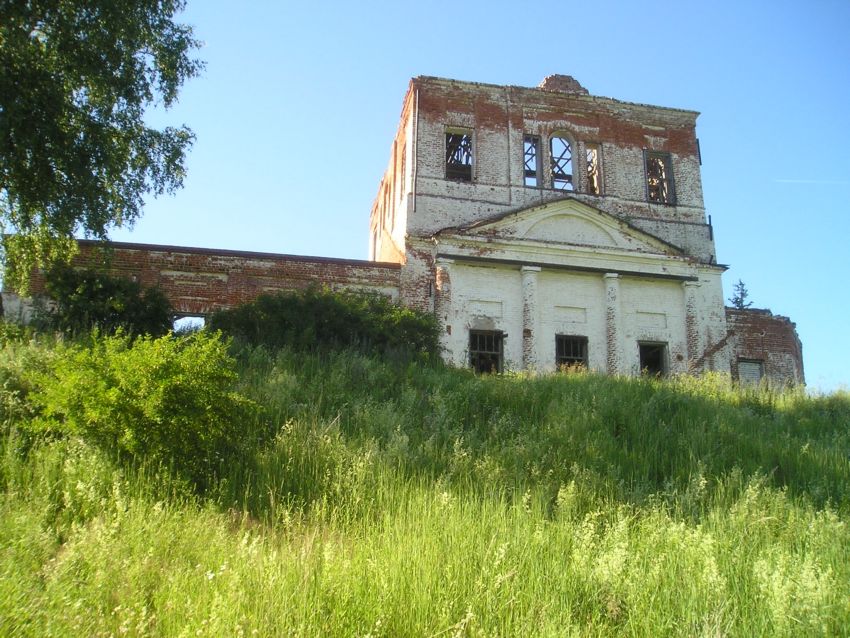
(566, 222)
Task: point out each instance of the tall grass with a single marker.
(390, 498)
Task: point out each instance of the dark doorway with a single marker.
(653, 359)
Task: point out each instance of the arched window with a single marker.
(562, 163)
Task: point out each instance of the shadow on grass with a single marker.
(337, 424)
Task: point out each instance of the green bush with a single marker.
(83, 300)
(21, 361)
(320, 318)
(168, 399)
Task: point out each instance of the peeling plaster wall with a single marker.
(544, 264)
(494, 298)
(487, 298)
(500, 116)
(389, 217)
(532, 304)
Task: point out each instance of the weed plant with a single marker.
(394, 498)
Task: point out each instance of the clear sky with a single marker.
(297, 108)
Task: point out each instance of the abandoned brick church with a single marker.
(543, 226)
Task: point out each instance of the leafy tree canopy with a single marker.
(83, 300)
(76, 155)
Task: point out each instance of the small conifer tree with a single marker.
(739, 299)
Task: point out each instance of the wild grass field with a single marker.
(388, 497)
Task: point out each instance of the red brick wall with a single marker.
(199, 281)
(760, 335)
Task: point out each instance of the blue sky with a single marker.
(297, 108)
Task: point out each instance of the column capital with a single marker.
(611, 275)
(691, 284)
(530, 269)
(444, 261)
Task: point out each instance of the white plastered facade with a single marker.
(566, 268)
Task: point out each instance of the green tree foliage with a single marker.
(168, 399)
(739, 299)
(76, 154)
(83, 300)
(320, 318)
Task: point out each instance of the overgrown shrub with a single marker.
(324, 319)
(167, 399)
(21, 360)
(82, 300)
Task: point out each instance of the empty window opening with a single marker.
(653, 359)
(485, 351)
(459, 156)
(531, 160)
(750, 371)
(659, 178)
(570, 351)
(594, 184)
(188, 324)
(562, 164)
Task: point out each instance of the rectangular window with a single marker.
(531, 160)
(485, 351)
(459, 156)
(570, 351)
(594, 178)
(562, 163)
(653, 359)
(750, 371)
(659, 178)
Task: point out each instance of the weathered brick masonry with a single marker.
(759, 335)
(199, 281)
(543, 226)
(601, 261)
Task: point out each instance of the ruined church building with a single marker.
(543, 226)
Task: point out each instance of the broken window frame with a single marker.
(561, 162)
(653, 358)
(459, 156)
(531, 160)
(593, 168)
(570, 351)
(486, 351)
(658, 170)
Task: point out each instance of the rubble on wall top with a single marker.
(558, 85)
(562, 84)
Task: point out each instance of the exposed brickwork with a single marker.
(498, 117)
(199, 281)
(562, 83)
(692, 324)
(612, 322)
(530, 316)
(529, 262)
(759, 335)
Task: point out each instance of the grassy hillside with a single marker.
(390, 498)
